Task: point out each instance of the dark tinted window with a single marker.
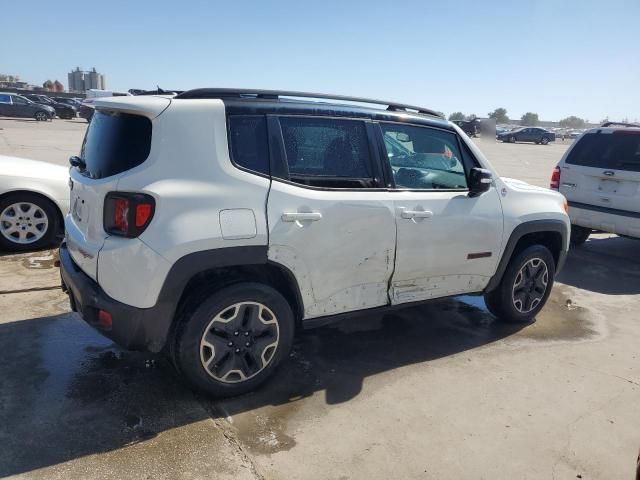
(115, 143)
(327, 152)
(616, 151)
(249, 146)
(424, 158)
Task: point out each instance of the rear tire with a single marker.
(579, 235)
(512, 139)
(27, 222)
(525, 286)
(233, 340)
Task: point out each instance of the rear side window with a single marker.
(248, 140)
(331, 153)
(5, 99)
(615, 151)
(115, 142)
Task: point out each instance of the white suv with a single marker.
(600, 177)
(214, 224)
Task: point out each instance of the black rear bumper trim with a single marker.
(597, 208)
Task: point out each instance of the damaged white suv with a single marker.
(214, 224)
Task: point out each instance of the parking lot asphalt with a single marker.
(433, 392)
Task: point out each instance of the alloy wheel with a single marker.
(23, 223)
(239, 342)
(530, 285)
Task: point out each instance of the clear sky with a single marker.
(553, 57)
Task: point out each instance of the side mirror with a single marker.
(480, 180)
(77, 162)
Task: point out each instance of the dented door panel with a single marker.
(340, 245)
(453, 250)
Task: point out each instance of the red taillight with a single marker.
(105, 321)
(121, 214)
(143, 213)
(555, 179)
(127, 214)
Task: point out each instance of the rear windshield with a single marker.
(115, 143)
(616, 151)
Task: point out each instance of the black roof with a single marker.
(243, 101)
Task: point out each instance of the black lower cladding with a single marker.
(146, 328)
(533, 226)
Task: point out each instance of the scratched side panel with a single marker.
(342, 262)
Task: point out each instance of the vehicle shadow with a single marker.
(66, 392)
(604, 264)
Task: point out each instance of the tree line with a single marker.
(529, 119)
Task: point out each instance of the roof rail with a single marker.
(276, 94)
(620, 124)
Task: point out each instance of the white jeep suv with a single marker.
(214, 224)
(600, 177)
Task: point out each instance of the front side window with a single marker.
(327, 152)
(424, 158)
(613, 151)
(249, 145)
(20, 100)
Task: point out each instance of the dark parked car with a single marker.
(470, 127)
(528, 134)
(12, 105)
(86, 110)
(62, 110)
(69, 101)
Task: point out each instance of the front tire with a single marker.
(579, 235)
(525, 286)
(234, 339)
(41, 116)
(27, 222)
(544, 141)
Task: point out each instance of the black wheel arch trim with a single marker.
(533, 226)
(149, 328)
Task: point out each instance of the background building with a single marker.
(81, 81)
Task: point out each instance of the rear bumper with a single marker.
(621, 222)
(131, 327)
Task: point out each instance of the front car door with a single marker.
(447, 242)
(22, 107)
(5, 105)
(330, 223)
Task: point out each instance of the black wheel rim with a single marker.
(530, 285)
(239, 342)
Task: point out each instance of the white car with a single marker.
(600, 177)
(34, 197)
(214, 224)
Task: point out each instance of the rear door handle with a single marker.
(409, 214)
(301, 216)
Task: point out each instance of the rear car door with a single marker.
(447, 242)
(330, 223)
(603, 170)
